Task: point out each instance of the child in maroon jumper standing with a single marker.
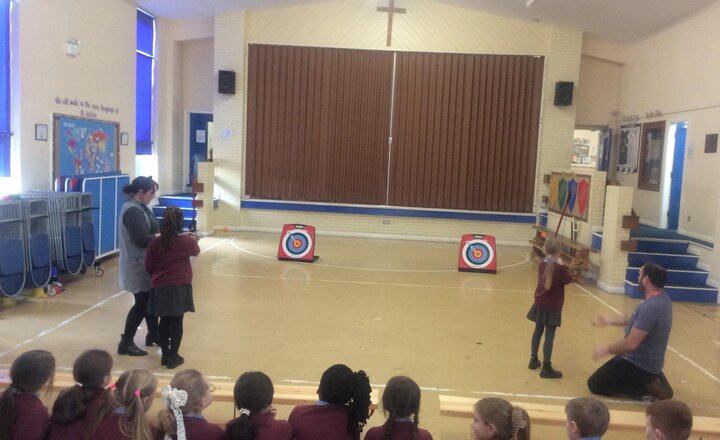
(167, 260)
(253, 399)
(546, 311)
(22, 415)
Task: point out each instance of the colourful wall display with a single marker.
(84, 146)
(570, 189)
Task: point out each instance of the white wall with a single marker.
(103, 74)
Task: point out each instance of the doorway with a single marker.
(673, 191)
(199, 124)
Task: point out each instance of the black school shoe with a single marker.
(548, 372)
(174, 361)
(534, 363)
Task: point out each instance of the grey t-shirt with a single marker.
(653, 316)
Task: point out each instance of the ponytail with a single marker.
(520, 424)
(401, 399)
(552, 250)
(133, 389)
(359, 407)
(253, 393)
(7, 413)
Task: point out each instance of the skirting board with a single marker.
(611, 289)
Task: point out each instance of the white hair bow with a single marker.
(175, 399)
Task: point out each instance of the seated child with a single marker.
(497, 419)
(586, 418)
(188, 394)
(401, 403)
(22, 414)
(341, 412)
(253, 399)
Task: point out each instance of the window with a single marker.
(144, 88)
(5, 131)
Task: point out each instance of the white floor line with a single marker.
(216, 244)
(527, 257)
(682, 356)
(63, 323)
(371, 283)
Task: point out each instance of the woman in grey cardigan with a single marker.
(137, 227)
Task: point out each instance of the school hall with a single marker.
(385, 296)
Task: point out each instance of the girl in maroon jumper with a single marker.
(341, 412)
(401, 402)
(546, 311)
(134, 392)
(78, 411)
(22, 415)
(167, 260)
(187, 395)
(253, 398)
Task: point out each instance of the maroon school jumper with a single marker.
(109, 429)
(197, 428)
(553, 298)
(31, 417)
(401, 431)
(267, 427)
(76, 429)
(320, 422)
(171, 267)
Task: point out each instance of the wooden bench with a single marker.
(576, 254)
(554, 415)
(284, 394)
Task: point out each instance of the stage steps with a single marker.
(184, 202)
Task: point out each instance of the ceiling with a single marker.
(616, 20)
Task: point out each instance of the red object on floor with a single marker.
(297, 243)
(477, 254)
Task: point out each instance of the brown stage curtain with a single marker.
(317, 124)
(466, 130)
(464, 135)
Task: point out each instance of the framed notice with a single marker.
(84, 146)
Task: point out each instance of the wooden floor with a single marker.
(387, 307)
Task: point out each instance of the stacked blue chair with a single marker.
(36, 215)
(65, 229)
(12, 256)
(87, 230)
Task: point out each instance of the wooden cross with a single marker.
(391, 10)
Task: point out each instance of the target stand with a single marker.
(297, 243)
(477, 254)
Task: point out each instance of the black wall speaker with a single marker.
(563, 93)
(226, 82)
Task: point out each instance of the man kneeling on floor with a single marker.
(636, 368)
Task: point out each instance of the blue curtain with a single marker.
(5, 85)
(144, 87)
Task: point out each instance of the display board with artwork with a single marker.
(84, 146)
(572, 190)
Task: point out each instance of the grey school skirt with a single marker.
(544, 317)
(171, 300)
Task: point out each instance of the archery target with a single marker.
(297, 243)
(478, 253)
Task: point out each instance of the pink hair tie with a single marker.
(113, 387)
(137, 393)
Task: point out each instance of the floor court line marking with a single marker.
(370, 283)
(232, 243)
(62, 323)
(669, 347)
(84, 312)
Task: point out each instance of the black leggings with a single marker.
(171, 332)
(549, 339)
(137, 313)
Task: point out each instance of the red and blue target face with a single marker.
(297, 243)
(478, 254)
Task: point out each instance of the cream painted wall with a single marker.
(427, 26)
(598, 92)
(103, 74)
(198, 75)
